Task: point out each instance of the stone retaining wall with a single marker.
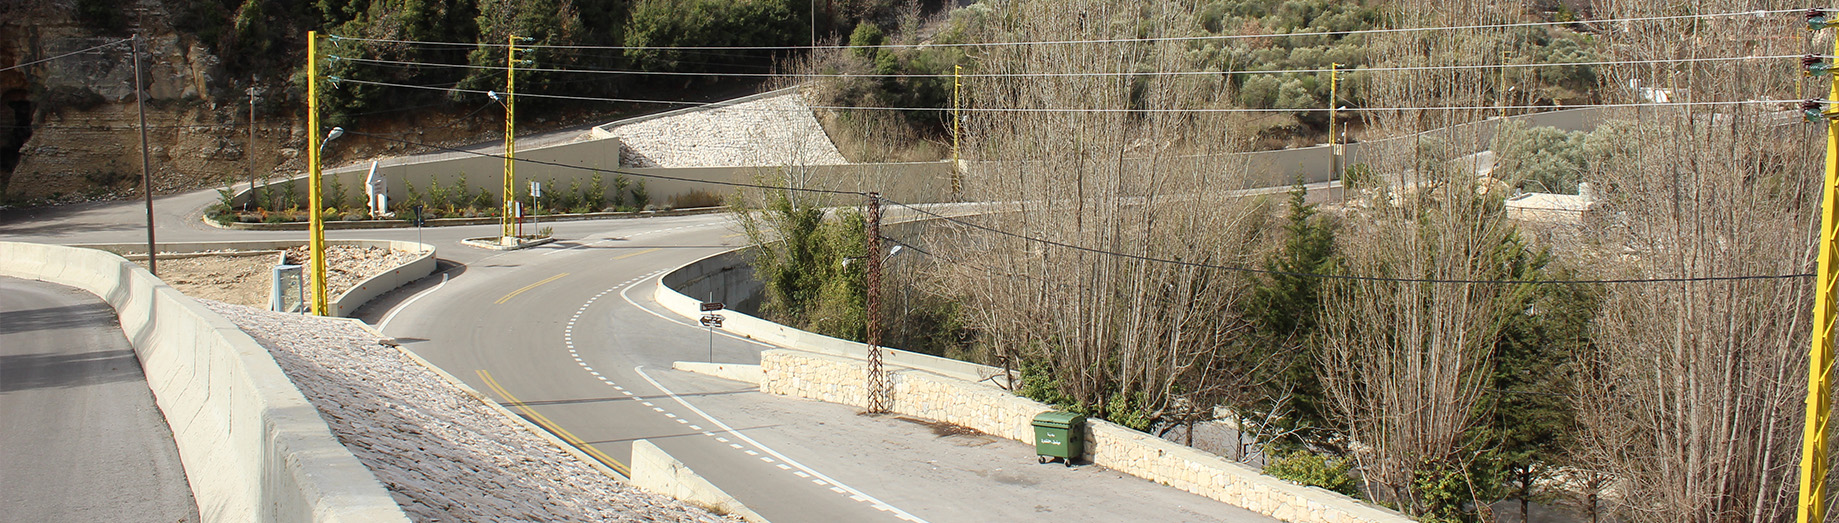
(995, 411)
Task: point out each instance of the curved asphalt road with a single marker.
(567, 335)
(82, 438)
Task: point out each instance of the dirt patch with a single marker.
(244, 279)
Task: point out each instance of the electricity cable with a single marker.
(1317, 70)
(66, 55)
(1348, 277)
(1753, 13)
(1138, 257)
(1108, 110)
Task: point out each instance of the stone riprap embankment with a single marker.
(995, 411)
(443, 454)
(771, 131)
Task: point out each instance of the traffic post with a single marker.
(712, 321)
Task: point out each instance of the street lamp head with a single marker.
(336, 132)
(894, 251)
(493, 95)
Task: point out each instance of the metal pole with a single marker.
(1334, 111)
(1820, 356)
(879, 390)
(510, 134)
(711, 327)
(251, 152)
(316, 225)
(146, 163)
(957, 120)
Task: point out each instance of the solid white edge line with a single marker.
(392, 315)
(789, 461)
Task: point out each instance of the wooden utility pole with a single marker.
(146, 162)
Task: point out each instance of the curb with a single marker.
(481, 243)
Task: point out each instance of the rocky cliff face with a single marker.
(69, 128)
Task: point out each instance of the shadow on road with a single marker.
(55, 318)
(43, 370)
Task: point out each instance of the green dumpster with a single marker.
(1059, 435)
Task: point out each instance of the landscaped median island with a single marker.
(444, 454)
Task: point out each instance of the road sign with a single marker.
(713, 306)
(712, 320)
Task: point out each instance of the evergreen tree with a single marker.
(1285, 308)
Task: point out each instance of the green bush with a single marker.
(1307, 468)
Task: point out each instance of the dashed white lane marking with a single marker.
(803, 471)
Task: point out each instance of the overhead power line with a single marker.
(1756, 13)
(1348, 277)
(66, 55)
(1052, 243)
(1316, 70)
(1100, 110)
(604, 170)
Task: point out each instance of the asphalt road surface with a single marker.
(82, 439)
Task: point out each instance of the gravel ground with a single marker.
(346, 265)
(779, 130)
(443, 455)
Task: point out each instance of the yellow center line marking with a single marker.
(514, 293)
(551, 426)
(734, 236)
(624, 256)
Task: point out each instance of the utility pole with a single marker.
(316, 224)
(1812, 506)
(251, 151)
(880, 391)
(510, 137)
(1334, 112)
(957, 121)
(146, 164)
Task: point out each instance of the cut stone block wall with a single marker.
(992, 410)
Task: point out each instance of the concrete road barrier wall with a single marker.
(253, 448)
(656, 471)
(344, 304)
(995, 411)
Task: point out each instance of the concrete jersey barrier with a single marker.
(253, 447)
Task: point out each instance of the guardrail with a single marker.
(252, 447)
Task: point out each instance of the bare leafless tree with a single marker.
(1405, 363)
(1135, 340)
(1692, 399)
